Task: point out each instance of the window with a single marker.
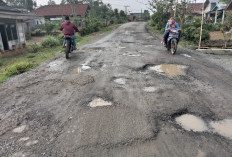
(11, 31)
(14, 31)
(8, 32)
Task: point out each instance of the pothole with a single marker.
(121, 81)
(19, 129)
(83, 80)
(151, 89)
(88, 50)
(131, 54)
(23, 139)
(80, 69)
(192, 123)
(223, 128)
(30, 143)
(55, 65)
(186, 55)
(99, 102)
(150, 45)
(171, 70)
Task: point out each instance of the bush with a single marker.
(18, 68)
(34, 48)
(40, 26)
(28, 36)
(50, 42)
(61, 38)
(49, 26)
(38, 32)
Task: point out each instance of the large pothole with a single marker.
(80, 69)
(194, 123)
(170, 70)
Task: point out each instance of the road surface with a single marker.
(121, 95)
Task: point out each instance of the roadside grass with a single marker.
(187, 44)
(25, 61)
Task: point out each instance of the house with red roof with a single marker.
(50, 12)
(196, 8)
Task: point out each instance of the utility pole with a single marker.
(126, 6)
(202, 19)
(74, 9)
(175, 8)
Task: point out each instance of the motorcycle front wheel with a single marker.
(173, 46)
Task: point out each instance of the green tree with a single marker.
(226, 1)
(163, 10)
(26, 4)
(51, 2)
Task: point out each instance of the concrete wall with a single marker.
(15, 43)
(1, 44)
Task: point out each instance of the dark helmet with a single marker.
(66, 17)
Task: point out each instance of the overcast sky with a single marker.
(134, 5)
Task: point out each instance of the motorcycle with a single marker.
(68, 46)
(173, 40)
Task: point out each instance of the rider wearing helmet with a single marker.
(68, 29)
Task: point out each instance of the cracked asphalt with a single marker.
(110, 99)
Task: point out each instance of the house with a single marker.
(13, 26)
(57, 12)
(131, 18)
(137, 15)
(196, 9)
(218, 11)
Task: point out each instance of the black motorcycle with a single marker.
(68, 46)
(173, 40)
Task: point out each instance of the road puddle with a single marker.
(99, 102)
(20, 129)
(192, 123)
(150, 89)
(223, 128)
(80, 69)
(121, 81)
(171, 70)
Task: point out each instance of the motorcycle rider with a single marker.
(68, 29)
(170, 22)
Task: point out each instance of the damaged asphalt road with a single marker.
(120, 95)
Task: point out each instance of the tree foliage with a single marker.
(51, 2)
(26, 4)
(226, 1)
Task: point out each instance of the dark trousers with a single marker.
(167, 34)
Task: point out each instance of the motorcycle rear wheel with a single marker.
(68, 48)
